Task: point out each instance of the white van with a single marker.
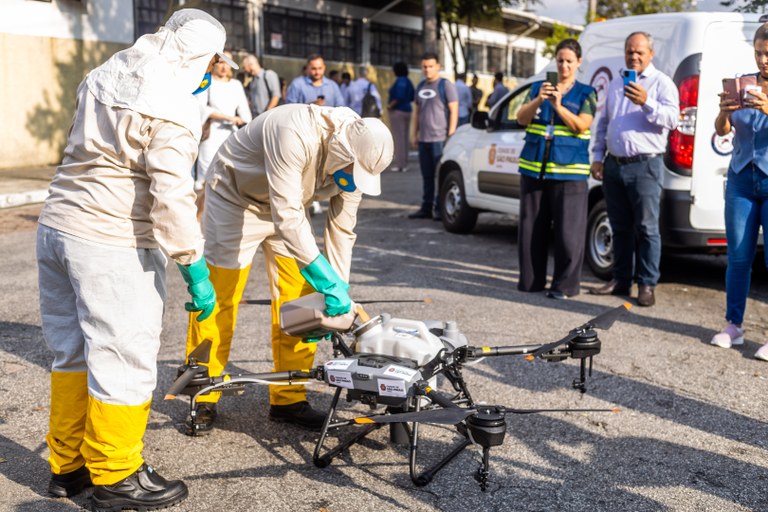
(478, 171)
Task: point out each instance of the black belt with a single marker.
(624, 160)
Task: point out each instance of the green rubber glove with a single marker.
(321, 276)
(199, 287)
(327, 337)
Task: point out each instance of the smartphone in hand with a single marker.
(747, 83)
(731, 90)
(552, 78)
(630, 75)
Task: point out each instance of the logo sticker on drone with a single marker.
(400, 371)
(340, 379)
(391, 387)
(338, 364)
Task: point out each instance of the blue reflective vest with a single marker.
(569, 151)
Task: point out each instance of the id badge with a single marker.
(550, 132)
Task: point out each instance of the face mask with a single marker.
(344, 181)
(206, 83)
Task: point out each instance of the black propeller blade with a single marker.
(454, 415)
(602, 321)
(201, 354)
(449, 416)
(606, 320)
(182, 382)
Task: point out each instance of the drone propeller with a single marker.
(603, 321)
(454, 415)
(201, 354)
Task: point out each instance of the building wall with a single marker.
(46, 50)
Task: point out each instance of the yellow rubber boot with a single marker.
(220, 326)
(289, 352)
(69, 402)
(113, 440)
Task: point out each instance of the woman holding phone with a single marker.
(554, 167)
(746, 191)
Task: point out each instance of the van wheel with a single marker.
(599, 249)
(458, 216)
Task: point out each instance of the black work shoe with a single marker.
(557, 295)
(300, 413)
(142, 490)
(645, 296)
(420, 214)
(70, 484)
(205, 417)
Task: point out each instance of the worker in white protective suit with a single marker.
(121, 202)
(263, 180)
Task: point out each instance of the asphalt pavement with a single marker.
(691, 434)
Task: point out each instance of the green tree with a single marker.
(746, 5)
(619, 8)
(559, 32)
(468, 12)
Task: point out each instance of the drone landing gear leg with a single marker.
(426, 476)
(324, 460)
(483, 472)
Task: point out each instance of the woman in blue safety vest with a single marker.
(554, 167)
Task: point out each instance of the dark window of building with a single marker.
(495, 59)
(391, 44)
(486, 58)
(523, 63)
(149, 15)
(475, 60)
(294, 33)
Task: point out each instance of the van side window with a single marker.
(508, 111)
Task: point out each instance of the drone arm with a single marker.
(514, 350)
(423, 388)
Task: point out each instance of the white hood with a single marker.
(157, 75)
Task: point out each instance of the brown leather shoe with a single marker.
(645, 295)
(612, 287)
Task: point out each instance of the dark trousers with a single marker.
(632, 199)
(430, 154)
(562, 205)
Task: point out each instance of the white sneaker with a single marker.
(762, 353)
(729, 337)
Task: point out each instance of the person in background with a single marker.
(499, 90)
(264, 91)
(554, 167)
(465, 98)
(477, 93)
(437, 113)
(357, 90)
(265, 176)
(627, 155)
(746, 194)
(335, 75)
(314, 87)
(346, 79)
(401, 96)
(226, 107)
(121, 200)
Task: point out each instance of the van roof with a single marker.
(680, 16)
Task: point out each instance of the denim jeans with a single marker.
(632, 198)
(430, 154)
(746, 209)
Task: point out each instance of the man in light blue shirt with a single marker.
(314, 87)
(358, 89)
(628, 150)
(465, 98)
(499, 90)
